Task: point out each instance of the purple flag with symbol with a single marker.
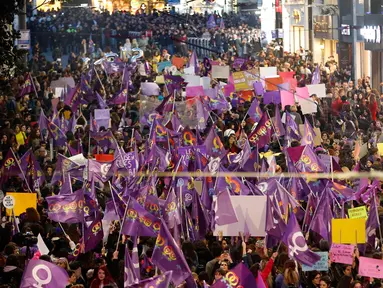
(308, 134)
(372, 222)
(316, 76)
(277, 121)
(291, 128)
(321, 222)
(239, 276)
(296, 243)
(161, 281)
(73, 98)
(66, 208)
(224, 210)
(255, 112)
(167, 256)
(262, 133)
(27, 87)
(130, 276)
(211, 22)
(93, 234)
(41, 273)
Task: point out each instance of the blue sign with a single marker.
(321, 265)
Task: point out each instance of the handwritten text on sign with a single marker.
(321, 265)
(341, 253)
(358, 213)
(370, 267)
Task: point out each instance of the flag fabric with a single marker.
(130, 276)
(193, 62)
(321, 222)
(316, 76)
(310, 210)
(213, 143)
(255, 112)
(275, 225)
(54, 131)
(40, 273)
(73, 98)
(211, 22)
(139, 222)
(277, 121)
(224, 210)
(292, 131)
(372, 222)
(239, 276)
(161, 281)
(93, 234)
(261, 136)
(167, 256)
(63, 165)
(308, 161)
(27, 87)
(308, 134)
(296, 243)
(66, 208)
(10, 167)
(119, 98)
(34, 175)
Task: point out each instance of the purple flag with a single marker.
(27, 87)
(316, 76)
(34, 175)
(93, 234)
(63, 165)
(161, 281)
(66, 208)
(171, 213)
(309, 162)
(139, 222)
(119, 98)
(207, 192)
(213, 143)
(255, 112)
(167, 256)
(262, 133)
(275, 225)
(193, 62)
(308, 134)
(104, 139)
(292, 131)
(54, 131)
(10, 167)
(272, 97)
(234, 184)
(239, 276)
(130, 276)
(296, 243)
(113, 67)
(211, 22)
(101, 170)
(101, 101)
(41, 273)
(372, 222)
(310, 209)
(73, 98)
(258, 88)
(224, 210)
(277, 121)
(321, 222)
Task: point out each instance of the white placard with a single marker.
(205, 82)
(308, 106)
(251, 214)
(268, 72)
(318, 89)
(220, 72)
(192, 80)
(59, 91)
(9, 201)
(189, 70)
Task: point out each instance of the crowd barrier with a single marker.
(201, 46)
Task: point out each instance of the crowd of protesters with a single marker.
(351, 113)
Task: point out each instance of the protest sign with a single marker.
(160, 79)
(194, 91)
(287, 98)
(287, 75)
(380, 148)
(102, 117)
(251, 215)
(150, 89)
(189, 70)
(240, 82)
(205, 82)
(162, 65)
(308, 106)
(267, 72)
(22, 202)
(302, 92)
(317, 89)
(192, 80)
(179, 62)
(9, 202)
(348, 231)
(272, 97)
(258, 88)
(341, 253)
(272, 83)
(370, 267)
(321, 265)
(220, 72)
(357, 213)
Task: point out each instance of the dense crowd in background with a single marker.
(352, 112)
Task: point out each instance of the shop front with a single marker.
(325, 41)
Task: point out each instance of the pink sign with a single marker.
(287, 98)
(341, 253)
(370, 267)
(194, 91)
(302, 92)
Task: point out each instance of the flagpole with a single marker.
(122, 224)
(123, 74)
(22, 172)
(332, 169)
(33, 83)
(131, 139)
(114, 202)
(98, 77)
(380, 229)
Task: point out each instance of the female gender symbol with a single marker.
(41, 282)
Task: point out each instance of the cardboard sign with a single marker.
(102, 117)
(318, 89)
(150, 89)
(348, 231)
(358, 213)
(192, 80)
(9, 202)
(268, 72)
(380, 148)
(179, 62)
(240, 82)
(272, 83)
(287, 75)
(321, 265)
(162, 65)
(287, 98)
(251, 215)
(370, 267)
(220, 72)
(22, 202)
(340, 253)
(308, 106)
(160, 79)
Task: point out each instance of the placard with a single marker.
(318, 89)
(348, 231)
(189, 70)
(287, 98)
(150, 89)
(220, 72)
(9, 202)
(251, 214)
(162, 65)
(308, 106)
(267, 72)
(192, 80)
(357, 213)
(22, 202)
(321, 265)
(194, 91)
(370, 267)
(205, 82)
(240, 82)
(341, 253)
(179, 62)
(380, 148)
(271, 83)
